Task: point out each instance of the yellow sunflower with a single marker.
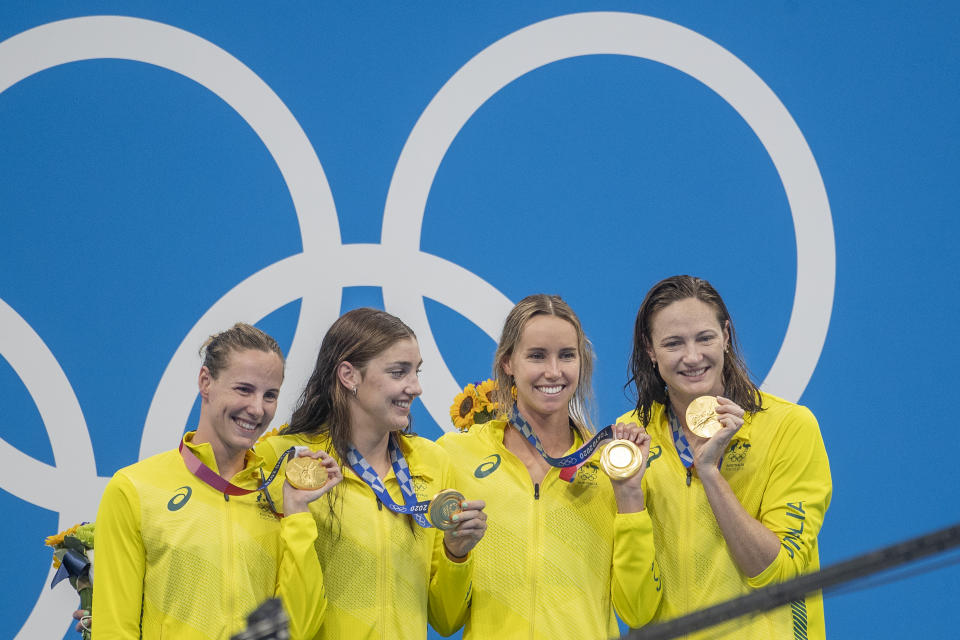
(57, 540)
(463, 408)
(81, 533)
(485, 390)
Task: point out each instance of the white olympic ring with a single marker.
(269, 289)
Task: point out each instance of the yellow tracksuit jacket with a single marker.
(384, 579)
(557, 558)
(777, 467)
(175, 560)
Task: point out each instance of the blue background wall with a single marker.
(160, 182)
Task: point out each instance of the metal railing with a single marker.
(780, 594)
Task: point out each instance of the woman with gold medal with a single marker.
(395, 542)
(739, 482)
(187, 545)
(567, 546)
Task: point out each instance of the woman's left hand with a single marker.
(298, 500)
(629, 491)
(471, 525)
(708, 451)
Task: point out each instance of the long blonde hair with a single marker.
(581, 404)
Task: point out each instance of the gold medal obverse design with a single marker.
(443, 507)
(621, 459)
(308, 474)
(702, 416)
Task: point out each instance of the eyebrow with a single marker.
(680, 337)
(251, 384)
(403, 363)
(571, 347)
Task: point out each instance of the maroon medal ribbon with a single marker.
(215, 480)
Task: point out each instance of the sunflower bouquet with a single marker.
(71, 560)
(474, 405)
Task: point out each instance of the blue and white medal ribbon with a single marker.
(574, 459)
(682, 444)
(680, 440)
(401, 470)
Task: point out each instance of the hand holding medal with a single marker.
(715, 420)
(309, 474)
(625, 456)
(306, 473)
(702, 417)
(462, 521)
(624, 459)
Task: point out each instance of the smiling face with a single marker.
(386, 387)
(687, 347)
(545, 365)
(238, 405)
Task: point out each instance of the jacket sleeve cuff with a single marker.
(637, 523)
(297, 526)
(769, 575)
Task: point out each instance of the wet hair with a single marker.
(357, 337)
(580, 408)
(216, 350)
(649, 385)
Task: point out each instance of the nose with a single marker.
(256, 406)
(414, 389)
(691, 354)
(553, 368)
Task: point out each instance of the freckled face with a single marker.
(688, 346)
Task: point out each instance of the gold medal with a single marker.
(702, 416)
(443, 507)
(306, 473)
(621, 459)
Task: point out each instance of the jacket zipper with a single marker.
(535, 546)
(228, 560)
(382, 567)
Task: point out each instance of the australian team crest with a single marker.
(420, 488)
(736, 455)
(587, 474)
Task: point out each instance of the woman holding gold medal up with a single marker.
(739, 482)
(567, 546)
(395, 542)
(187, 544)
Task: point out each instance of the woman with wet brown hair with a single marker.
(739, 481)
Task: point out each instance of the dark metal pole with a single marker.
(785, 592)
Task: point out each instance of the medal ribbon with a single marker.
(411, 506)
(568, 463)
(680, 440)
(215, 480)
